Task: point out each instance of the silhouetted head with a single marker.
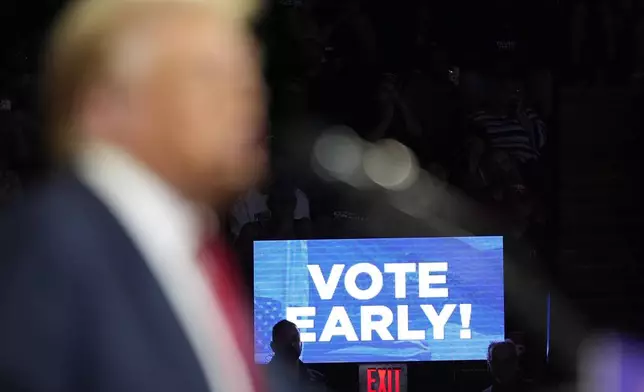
(286, 342)
(503, 361)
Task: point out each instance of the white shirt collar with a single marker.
(151, 210)
(167, 229)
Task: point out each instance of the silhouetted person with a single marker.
(254, 208)
(503, 362)
(286, 369)
(278, 222)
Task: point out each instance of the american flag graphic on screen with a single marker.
(267, 313)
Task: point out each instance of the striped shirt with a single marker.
(522, 137)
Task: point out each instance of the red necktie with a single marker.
(226, 285)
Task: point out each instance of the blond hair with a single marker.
(76, 54)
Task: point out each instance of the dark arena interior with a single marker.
(447, 180)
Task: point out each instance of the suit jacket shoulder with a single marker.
(81, 310)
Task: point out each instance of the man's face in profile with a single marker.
(199, 105)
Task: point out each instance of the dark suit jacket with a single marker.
(79, 309)
(303, 379)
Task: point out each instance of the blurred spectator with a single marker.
(254, 208)
(499, 184)
(504, 140)
(283, 223)
(396, 118)
(386, 114)
(281, 220)
(506, 122)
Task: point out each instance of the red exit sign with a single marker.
(383, 378)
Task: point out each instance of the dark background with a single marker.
(593, 263)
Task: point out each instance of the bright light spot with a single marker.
(390, 165)
(339, 152)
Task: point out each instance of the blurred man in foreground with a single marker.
(107, 280)
(286, 369)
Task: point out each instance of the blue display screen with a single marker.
(380, 300)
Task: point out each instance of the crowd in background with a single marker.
(480, 126)
(476, 108)
(474, 105)
(412, 72)
(459, 97)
